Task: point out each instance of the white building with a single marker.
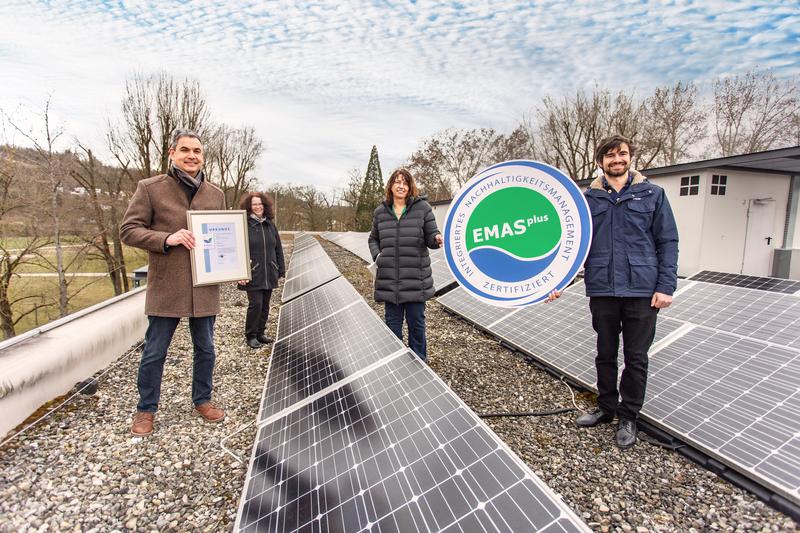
(735, 214)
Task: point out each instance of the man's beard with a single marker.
(617, 173)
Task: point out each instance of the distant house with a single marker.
(735, 214)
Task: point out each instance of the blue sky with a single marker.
(323, 81)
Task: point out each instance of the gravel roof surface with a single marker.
(81, 470)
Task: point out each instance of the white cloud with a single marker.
(322, 82)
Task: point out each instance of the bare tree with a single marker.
(754, 112)
(104, 188)
(349, 196)
(565, 132)
(315, 208)
(679, 120)
(51, 166)
(451, 157)
(152, 108)
(231, 156)
(15, 308)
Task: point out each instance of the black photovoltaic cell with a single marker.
(736, 398)
(474, 310)
(392, 451)
(301, 260)
(308, 277)
(762, 315)
(306, 282)
(786, 286)
(324, 353)
(315, 305)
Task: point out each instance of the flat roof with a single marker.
(780, 161)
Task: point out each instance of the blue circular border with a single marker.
(583, 213)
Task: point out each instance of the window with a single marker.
(718, 185)
(690, 186)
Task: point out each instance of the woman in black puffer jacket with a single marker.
(266, 265)
(403, 228)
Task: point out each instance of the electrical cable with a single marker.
(226, 437)
(62, 404)
(529, 413)
(550, 412)
(655, 442)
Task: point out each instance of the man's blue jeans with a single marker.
(151, 368)
(415, 317)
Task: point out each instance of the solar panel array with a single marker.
(352, 241)
(357, 243)
(356, 433)
(788, 286)
(309, 268)
(724, 370)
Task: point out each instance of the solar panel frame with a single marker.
(316, 305)
(459, 301)
(323, 353)
(364, 442)
(734, 398)
(676, 337)
(768, 316)
(763, 283)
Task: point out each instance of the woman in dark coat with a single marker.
(266, 265)
(403, 228)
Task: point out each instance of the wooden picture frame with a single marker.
(222, 248)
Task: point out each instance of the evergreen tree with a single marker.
(371, 193)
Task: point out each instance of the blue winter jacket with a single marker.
(634, 248)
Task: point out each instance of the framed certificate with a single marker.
(222, 250)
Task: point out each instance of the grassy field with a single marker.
(83, 291)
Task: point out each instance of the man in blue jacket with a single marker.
(630, 273)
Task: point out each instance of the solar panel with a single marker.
(316, 305)
(786, 286)
(474, 310)
(735, 398)
(307, 255)
(394, 450)
(442, 277)
(724, 369)
(308, 276)
(354, 242)
(303, 242)
(323, 353)
(767, 316)
(306, 282)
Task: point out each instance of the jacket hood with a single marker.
(638, 178)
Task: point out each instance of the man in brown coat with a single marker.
(156, 221)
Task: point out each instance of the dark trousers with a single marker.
(257, 313)
(151, 368)
(414, 313)
(636, 319)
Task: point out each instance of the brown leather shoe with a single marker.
(142, 424)
(210, 412)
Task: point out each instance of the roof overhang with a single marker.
(782, 161)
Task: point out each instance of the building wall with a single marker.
(440, 211)
(712, 228)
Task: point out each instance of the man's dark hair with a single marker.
(610, 143)
(179, 134)
(247, 200)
